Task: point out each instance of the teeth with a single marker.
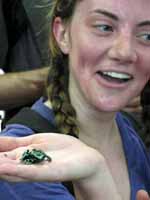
(117, 75)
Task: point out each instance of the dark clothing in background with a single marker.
(3, 37)
(37, 11)
(19, 46)
(22, 51)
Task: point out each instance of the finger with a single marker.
(54, 140)
(133, 109)
(9, 143)
(17, 153)
(142, 195)
(6, 160)
(12, 155)
(13, 179)
(15, 172)
(135, 102)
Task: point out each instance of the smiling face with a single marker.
(108, 44)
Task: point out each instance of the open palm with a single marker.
(71, 159)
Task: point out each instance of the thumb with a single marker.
(142, 195)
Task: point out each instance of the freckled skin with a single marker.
(90, 50)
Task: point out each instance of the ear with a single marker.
(61, 34)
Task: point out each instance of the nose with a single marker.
(123, 50)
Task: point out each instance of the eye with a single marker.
(104, 27)
(144, 37)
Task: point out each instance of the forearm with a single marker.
(98, 186)
(18, 89)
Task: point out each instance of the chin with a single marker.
(110, 107)
(109, 110)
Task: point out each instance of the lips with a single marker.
(118, 77)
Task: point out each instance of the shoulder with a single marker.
(37, 119)
(15, 127)
(16, 130)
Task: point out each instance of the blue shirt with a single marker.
(136, 157)
(32, 191)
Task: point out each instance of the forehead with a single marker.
(135, 9)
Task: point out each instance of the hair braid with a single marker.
(57, 90)
(57, 84)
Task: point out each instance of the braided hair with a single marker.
(57, 83)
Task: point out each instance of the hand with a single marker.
(71, 159)
(142, 195)
(134, 106)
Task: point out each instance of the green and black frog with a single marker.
(34, 156)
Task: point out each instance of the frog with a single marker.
(34, 156)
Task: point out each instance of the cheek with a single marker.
(86, 50)
(85, 57)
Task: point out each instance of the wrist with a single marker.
(100, 185)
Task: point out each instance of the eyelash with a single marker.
(142, 37)
(104, 27)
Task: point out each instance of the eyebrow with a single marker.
(144, 23)
(115, 17)
(107, 14)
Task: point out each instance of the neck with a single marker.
(95, 127)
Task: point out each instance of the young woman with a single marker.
(100, 61)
